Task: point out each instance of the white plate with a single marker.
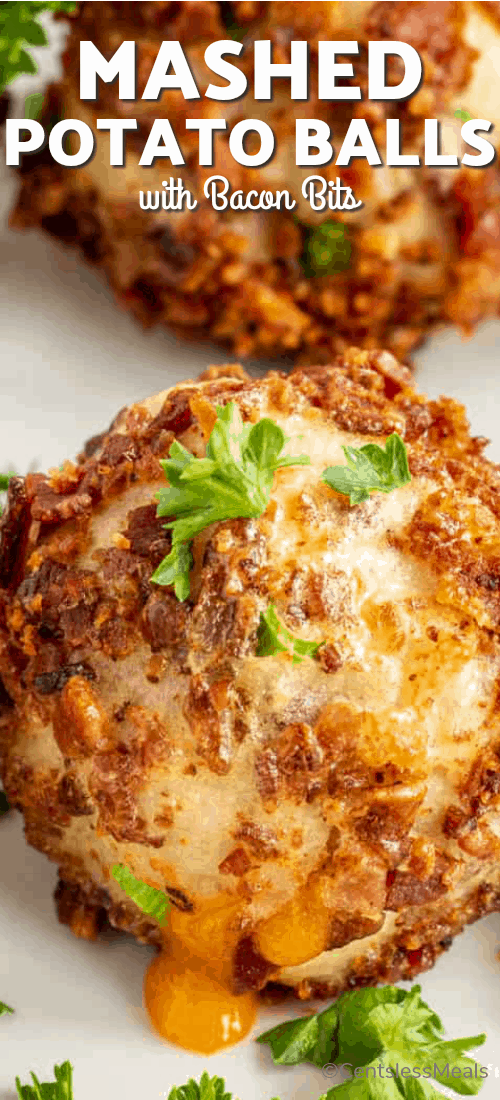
(68, 360)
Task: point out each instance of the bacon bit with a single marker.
(84, 911)
(234, 243)
(36, 603)
(16, 620)
(165, 819)
(34, 561)
(261, 839)
(80, 722)
(156, 668)
(120, 541)
(329, 658)
(204, 413)
(69, 474)
(250, 969)
(224, 370)
(104, 614)
(233, 273)
(218, 694)
(280, 393)
(236, 863)
(422, 861)
(28, 640)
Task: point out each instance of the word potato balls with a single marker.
(422, 251)
(319, 818)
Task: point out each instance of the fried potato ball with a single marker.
(316, 823)
(423, 250)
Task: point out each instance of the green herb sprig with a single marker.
(273, 637)
(233, 481)
(327, 250)
(4, 485)
(378, 1030)
(19, 29)
(232, 29)
(60, 1089)
(152, 902)
(370, 469)
(33, 105)
(208, 1088)
(5, 1010)
(463, 115)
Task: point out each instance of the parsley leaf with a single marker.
(327, 250)
(5, 1010)
(4, 485)
(19, 28)
(233, 30)
(236, 32)
(370, 469)
(462, 115)
(60, 1089)
(380, 1031)
(174, 569)
(4, 805)
(273, 637)
(208, 1088)
(33, 105)
(152, 902)
(233, 481)
(305, 1040)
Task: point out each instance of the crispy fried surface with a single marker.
(425, 246)
(359, 792)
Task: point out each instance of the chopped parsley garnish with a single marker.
(463, 116)
(370, 469)
(310, 1039)
(4, 805)
(233, 481)
(377, 1030)
(60, 1089)
(233, 30)
(4, 485)
(19, 28)
(273, 637)
(152, 902)
(33, 105)
(327, 250)
(389, 1038)
(5, 1010)
(208, 1088)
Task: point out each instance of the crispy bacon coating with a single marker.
(425, 247)
(321, 824)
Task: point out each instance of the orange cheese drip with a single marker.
(297, 932)
(189, 1007)
(186, 989)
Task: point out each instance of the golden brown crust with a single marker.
(422, 939)
(365, 786)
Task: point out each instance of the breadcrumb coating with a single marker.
(425, 247)
(316, 825)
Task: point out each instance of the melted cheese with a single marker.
(296, 933)
(188, 1006)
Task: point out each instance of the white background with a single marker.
(68, 360)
